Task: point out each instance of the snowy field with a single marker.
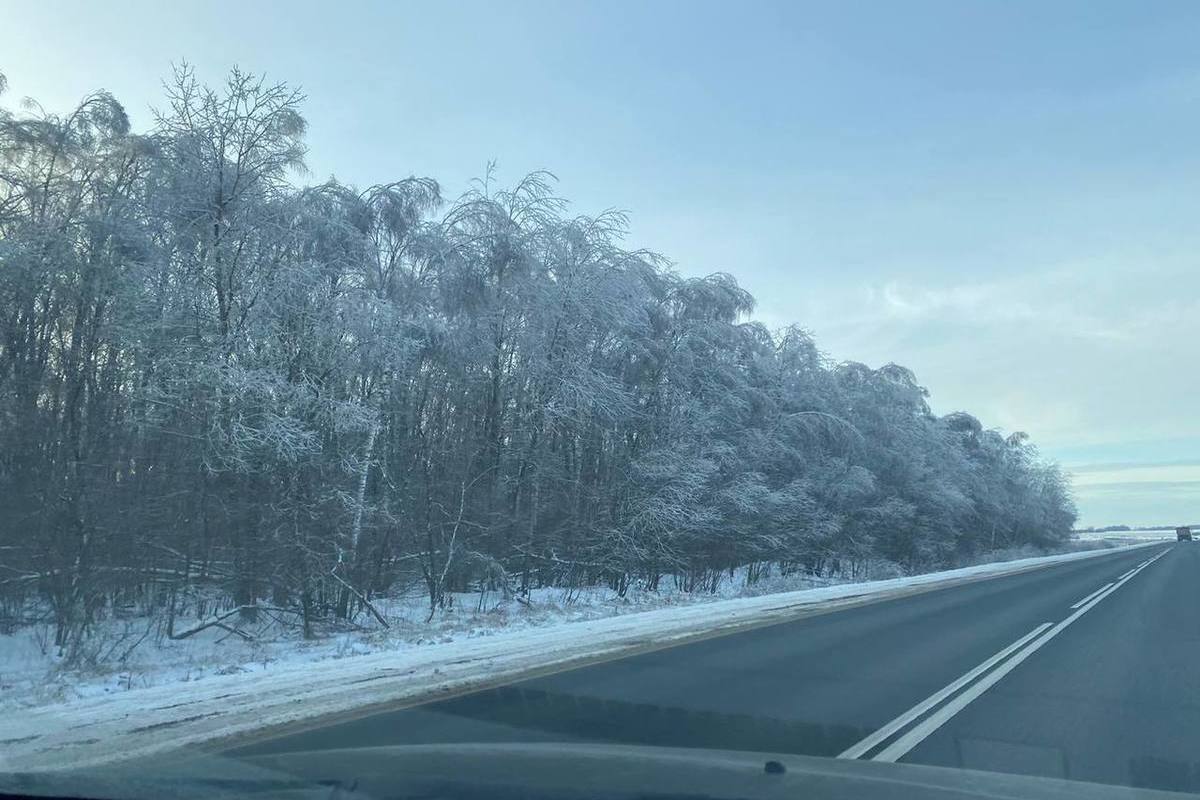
(1126, 536)
(202, 689)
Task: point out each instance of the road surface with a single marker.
(1087, 670)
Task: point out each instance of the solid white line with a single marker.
(943, 715)
(940, 717)
(1090, 596)
(1127, 574)
(899, 722)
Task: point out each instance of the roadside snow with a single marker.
(132, 653)
(103, 722)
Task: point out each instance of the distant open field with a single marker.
(1138, 536)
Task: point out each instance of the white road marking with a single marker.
(1090, 596)
(1147, 563)
(943, 715)
(925, 728)
(908, 716)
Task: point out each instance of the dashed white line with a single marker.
(943, 715)
(1023, 649)
(908, 716)
(1093, 594)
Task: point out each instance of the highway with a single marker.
(1086, 670)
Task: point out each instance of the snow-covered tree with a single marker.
(220, 388)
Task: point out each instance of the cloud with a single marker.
(1054, 299)
(1109, 475)
(1159, 493)
(1139, 503)
(1093, 355)
(906, 302)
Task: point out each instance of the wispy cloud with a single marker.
(1130, 474)
(1090, 355)
(1052, 299)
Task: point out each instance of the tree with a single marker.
(222, 391)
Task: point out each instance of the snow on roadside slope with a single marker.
(33, 672)
(143, 722)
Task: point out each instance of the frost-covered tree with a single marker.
(222, 390)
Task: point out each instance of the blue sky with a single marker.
(1002, 196)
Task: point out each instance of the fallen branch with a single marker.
(218, 622)
(366, 603)
(233, 630)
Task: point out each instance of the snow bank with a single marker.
(140, 722)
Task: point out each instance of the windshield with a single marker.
(588, 382)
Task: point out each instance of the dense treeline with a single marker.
(220, 391)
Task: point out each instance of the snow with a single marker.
(181, 702)
(1127, 536)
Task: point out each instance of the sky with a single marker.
(1001, 196)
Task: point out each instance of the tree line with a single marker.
(220, 390)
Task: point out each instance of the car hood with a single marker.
(528, 771)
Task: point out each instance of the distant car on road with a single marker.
(1183, 534)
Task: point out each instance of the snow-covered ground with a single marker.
(175, 702)
(1129, 536)
(130, 654)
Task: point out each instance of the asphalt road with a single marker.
(1012, 674)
